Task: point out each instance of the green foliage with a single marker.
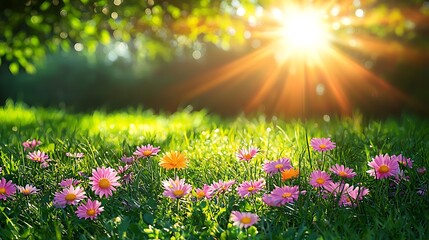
(138, 210)
(32, 29)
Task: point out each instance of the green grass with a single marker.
(140, 211)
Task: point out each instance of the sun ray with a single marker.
(300, 52)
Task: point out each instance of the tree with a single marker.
(33, 28)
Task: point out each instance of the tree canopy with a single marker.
(31, 29)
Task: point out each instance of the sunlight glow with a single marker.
(303, 64)
(304, 30)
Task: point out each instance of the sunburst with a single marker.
(305, 53)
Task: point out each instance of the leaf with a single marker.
(45, 5)
(14, 68)
(148, 218)
(105, 37)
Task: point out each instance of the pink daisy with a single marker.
(127, 178)
(407, 162)
(122, 170)
(383, 167)
(7, 189)
(272, 167)
(75, 155)
(319, 178)
(30, 144)
(243, 219)
(322, 144)
(69, 182)
(352, 196)
(204, 192)
(175, 189)
(283, 195)
(221, 187)
(128, 160)
(104, 181)
(250, 187)
(27, 190)
(420, 171)
(268, 199)
(247, 154)
(90, 209)
(70, 195)
(38, 156)
(342, 171)
(146, 151)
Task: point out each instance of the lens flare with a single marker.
(303, 47)
(304, 30)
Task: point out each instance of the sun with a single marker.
(304, 63)
(302, 33)
(304, 30)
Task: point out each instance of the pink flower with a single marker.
(70, 195)
(268, 199)
(175, 189)
(322, 144)
(243, 219)
(104, 181)
(407, 162)
(69, 182)
(247, 154)
(37, 156)
(122, 170)
(127, 178)
(128, 160)
(146, 151)
(44, 164)
(383, 167)
(27, 190)
(204, 192)
(90, 209)
(221, 187)
(283, 195)
(7, 189)
(272, 167)
(75, 155)
(319, 178)
(250, 187)
(421, 170)
(342, 171)
(30, 144)
(352, 196)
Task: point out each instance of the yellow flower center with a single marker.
(178, 192)
(37, 159)
(147, 152)
(246, 220)
(287, 195)
(200, 194)
(383, 169)
(250, 188)
(2, 190)
(278, 166)
(320, 180)
(343, 174)
(322, 146)
(26, 191)
(70, 197)
(104, 183)
(90, 212)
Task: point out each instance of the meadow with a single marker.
(134, 174)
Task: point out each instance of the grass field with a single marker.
(394, 208)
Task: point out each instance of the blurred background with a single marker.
(284, 58)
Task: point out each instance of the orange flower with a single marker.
(173, 160)
(289, 174)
